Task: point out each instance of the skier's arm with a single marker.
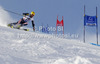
(33, 25)
(19, 21)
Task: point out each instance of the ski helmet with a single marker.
(33, 13)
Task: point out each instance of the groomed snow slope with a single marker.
(21, 47)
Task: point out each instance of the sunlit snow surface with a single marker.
(21, 47)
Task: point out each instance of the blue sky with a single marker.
(47, 11)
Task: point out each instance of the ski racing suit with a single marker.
(24, 21)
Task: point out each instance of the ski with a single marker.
(24, 29)
(18, 27)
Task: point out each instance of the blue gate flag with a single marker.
(90, 20)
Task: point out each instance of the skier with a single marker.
(24, 21)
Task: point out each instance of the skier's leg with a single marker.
(20, 25)
(24, 25)
(12, 24)
(17, 26)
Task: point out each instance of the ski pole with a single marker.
(13, 12)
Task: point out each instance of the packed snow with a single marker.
(23, 47)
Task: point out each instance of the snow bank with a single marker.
(60, 61)
(4, 17)
(80, 60)
(74, 60)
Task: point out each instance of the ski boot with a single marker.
(26, 29)
(9, 25)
